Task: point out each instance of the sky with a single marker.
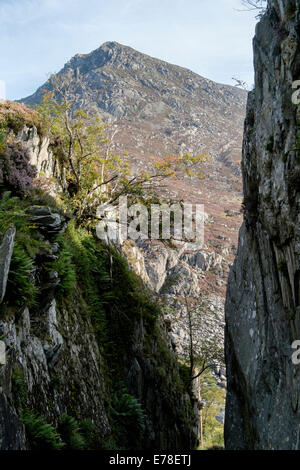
(210, 37)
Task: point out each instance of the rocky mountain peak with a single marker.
(143, 79)
(158, 108)
(110, 52)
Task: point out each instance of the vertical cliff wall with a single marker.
(263, 296)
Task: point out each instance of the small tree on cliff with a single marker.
(90, 172)
(203, 353)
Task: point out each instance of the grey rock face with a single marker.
(63, 372)
(262, 306)
(6, 251)
(12, 433)
(41, 157)
(171, 272)
(35, 346)
(38, 148)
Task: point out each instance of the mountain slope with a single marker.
(160, 109)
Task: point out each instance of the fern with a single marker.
(20, 288)
(65, 268)
(12, 213)
(70, 432)
(41, 435)
(127, 410)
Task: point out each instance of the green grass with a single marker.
(65, 268)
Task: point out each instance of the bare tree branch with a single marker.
(252, 5)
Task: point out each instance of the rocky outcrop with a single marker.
(6, 251)
(263, 301)
(38, 149)
(47, 221)
(172, 272)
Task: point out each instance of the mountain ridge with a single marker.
(105, 51)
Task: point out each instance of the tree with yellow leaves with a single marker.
(89, 172)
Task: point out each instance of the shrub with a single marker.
(87, 430)
(88, 257)
(17, 173)
(2, 138)
(76, 436)
(15, 116)
(12, 213)
(110, 444)
(214, 401)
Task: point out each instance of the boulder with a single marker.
(48, 222)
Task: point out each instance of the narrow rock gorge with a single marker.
(157, 109)
(97, 335)
(263, 306)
